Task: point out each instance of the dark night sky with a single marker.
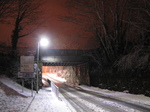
(62, 35)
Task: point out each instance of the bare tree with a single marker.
(116, 24)
(142, 20)
(28, 17)
(138, 58)
(5, 9)
(105, 19)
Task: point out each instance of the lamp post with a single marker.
(42, 42)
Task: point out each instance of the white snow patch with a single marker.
(19, 101)
(139, 99)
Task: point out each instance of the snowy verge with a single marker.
(16, 87)
(132, 98)
(12, 99)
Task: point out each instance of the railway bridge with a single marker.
(72, 65)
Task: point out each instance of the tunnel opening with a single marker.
(70, 75)
(69, 66)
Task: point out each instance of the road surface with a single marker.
(90, 101)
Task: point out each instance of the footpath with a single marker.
(46, 101)
(13, 99)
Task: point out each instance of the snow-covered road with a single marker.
(84, 100)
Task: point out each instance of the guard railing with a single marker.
(55, 89)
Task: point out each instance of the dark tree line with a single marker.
(25, 16)
(122, 31)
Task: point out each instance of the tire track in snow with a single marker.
(109, 103)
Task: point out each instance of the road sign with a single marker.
(27, 64)
(26, 75)
(27, 68)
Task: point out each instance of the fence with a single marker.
(55, 89)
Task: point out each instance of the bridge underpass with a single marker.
(64, 66)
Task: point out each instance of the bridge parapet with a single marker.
(63, 57)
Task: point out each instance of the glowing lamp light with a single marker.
(44, 42)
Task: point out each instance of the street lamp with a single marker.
(43, 42)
